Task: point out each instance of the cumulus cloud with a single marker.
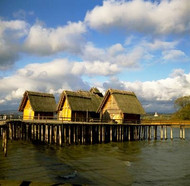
(10, 33)
(54, 77)
(19, 37)
(161, 92)
(47, 41)
(162, 17)
(116, 55)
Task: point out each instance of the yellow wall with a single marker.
(112, 108)
(28, 113)
(65, 113)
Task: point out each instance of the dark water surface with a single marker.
(165, 162)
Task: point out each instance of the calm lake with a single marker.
(165, 162)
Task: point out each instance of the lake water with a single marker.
(165, 162)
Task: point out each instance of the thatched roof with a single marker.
(80, 100)
(126, 101)
(40, 102)
(94, 90)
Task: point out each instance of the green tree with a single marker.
(182, 105)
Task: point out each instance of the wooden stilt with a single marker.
(55, 134)
(65, 134)
(60, 135)
(82, 134)
(165, 133)
(103, 133)
(110, 133)
(74, 134)
(161, 132)
(149, 133)
(77, 134)
(69, 134)
(183, 132)
(50, 134)
(155, 132)
(91, 134)
(46, 133)
(171, 133)
(99, 133)
(10, 132)
(129, 133)
(117, 133)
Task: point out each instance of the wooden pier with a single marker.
(67, 133)
(87, 133)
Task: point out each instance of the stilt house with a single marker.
(121, 107)
(79, 105)
(36, 105)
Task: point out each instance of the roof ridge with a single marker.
(124, 92)
(43, 94)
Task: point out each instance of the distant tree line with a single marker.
(182, 105)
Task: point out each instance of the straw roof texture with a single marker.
(126, 101)
(40, 102)
(80, 100)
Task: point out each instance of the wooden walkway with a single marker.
(67, 133)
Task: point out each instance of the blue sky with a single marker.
(137, 45)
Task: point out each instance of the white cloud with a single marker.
(101, 68)
(162, 91)
(53, 77)
(174, 55)
(10, 33)
(115, 54)
(155, 95)
(161, 45)
(143, 16)
(47, 41)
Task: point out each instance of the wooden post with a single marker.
(55, 134)
(135, 133)
(69, 134)
(3, 138)
(82, 134)
(77, 134)
(129, 133)
(50, 134)
(139, 132)
(117, 132)
(144, 132)
(91, 134)
(46, 133)
(10, 132)
(74, 134)
(183, 132)
(103, 133)
(99, 133)
(4, 141)
(149, 132)
(84, 127)
(40, 132)
(60, 135)
(165, 133)
(161, 132)
(121, 132)
(110, 133)
(65, 134)
(155, 132)
(171, 132)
